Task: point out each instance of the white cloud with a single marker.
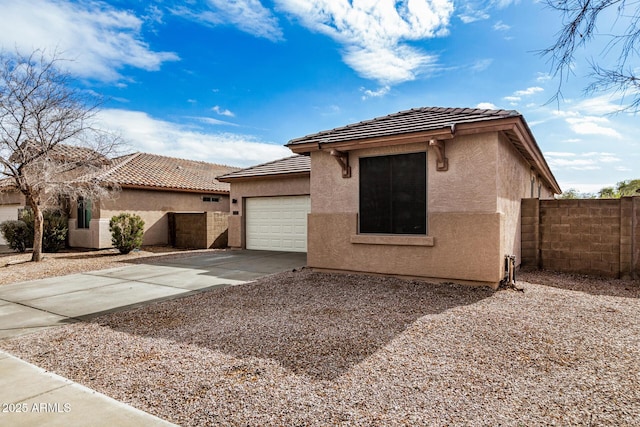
(482, 64)
(543, 77)
(368, 93)
(373, 33)
(486, 106)
(470, 15)
(147, 134)
(590, 125)
(249, 16)
(581, 161)
(212, 121)
(515, 98)
(512, 99)
(501, 26)
(528, 91)
(604, 104)
(223, 112)
(559, 154)
(98, 38)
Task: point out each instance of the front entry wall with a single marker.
(465, 247)
(463, 240)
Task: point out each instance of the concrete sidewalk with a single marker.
(31, 396)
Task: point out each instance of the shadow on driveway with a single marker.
(316, 324)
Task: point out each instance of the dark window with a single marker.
(393, 194)
(210, 199)
(84, 213)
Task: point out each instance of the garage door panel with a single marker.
(277, 223)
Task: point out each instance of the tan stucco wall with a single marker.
(151, 206)
(471, 214)
(12, 198)
(241, 190)
(514, 177)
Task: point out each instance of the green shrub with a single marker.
(17, 235)
(126, 232)
(54, 230)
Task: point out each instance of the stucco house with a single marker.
(427, 192)
(152, 186)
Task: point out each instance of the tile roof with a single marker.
(291, 165)
(160, 172)
(60, 152)
(403, 122)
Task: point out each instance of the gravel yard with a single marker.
(305, 348)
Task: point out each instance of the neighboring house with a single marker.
(427, 192)
(64, 162)
(152, 186)
(10, 203)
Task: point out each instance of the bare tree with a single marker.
(49, 145)
(580, 27)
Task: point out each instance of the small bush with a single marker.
(54, 230)
(126, 232)
(17, 235)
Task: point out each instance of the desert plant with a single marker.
(126, 232)
(17, 235)
(55, 228)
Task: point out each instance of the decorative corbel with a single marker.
(343, 160)
(442, 163)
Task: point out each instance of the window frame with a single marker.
(393, 201)
(210, 199)
(84, 213)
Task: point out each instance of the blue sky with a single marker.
(232, 81)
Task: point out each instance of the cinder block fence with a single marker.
(593, 236)
(198, 230)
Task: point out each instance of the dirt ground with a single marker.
(306, 348)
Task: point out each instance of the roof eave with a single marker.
(354, 144)
(229, 179)
(172, 189)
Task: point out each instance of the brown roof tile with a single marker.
(59, 152)
(291, 165)
(403, 122)
(160, 172)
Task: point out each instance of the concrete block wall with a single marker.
(530, 231)
(595, 236)
(201, 230)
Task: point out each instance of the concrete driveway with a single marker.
(30, 306)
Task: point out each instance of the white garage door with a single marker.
(7, 213)
(277, 223)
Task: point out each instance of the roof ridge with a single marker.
(118, 166)
(270, 162)
(453, 111)
(187, 160)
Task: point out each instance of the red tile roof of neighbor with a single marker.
(291, 165)
(408, 121)
(152, 171)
